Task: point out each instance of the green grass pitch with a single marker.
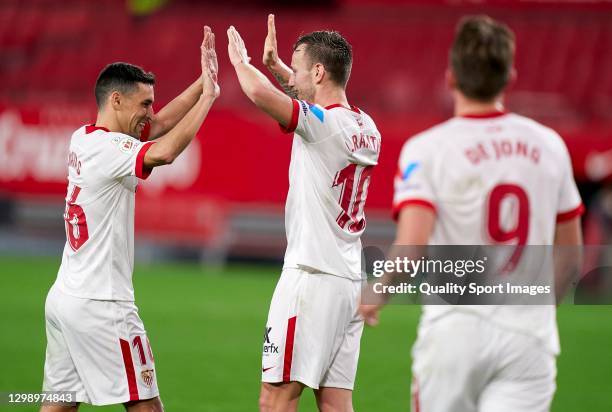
(206, 329)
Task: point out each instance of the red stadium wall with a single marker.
(237, 157)
(50, 54)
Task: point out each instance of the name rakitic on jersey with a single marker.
(363, 142)
(501, 149)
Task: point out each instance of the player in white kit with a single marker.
(484, 177)
(313, 330)
(96, 342)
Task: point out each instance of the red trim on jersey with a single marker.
(488, 115)
(570, 214)
(412, 202)
(398, 173)
(146, 132)
(92, 128)
(353, 108)
(141, 171)
(289, 349)
(129, 369)
(295, 115)
(415, 395)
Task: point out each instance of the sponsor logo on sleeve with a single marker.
(318, 112)
(404, 182)
(409, 169)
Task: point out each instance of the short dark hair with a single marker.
(122, 77)
(481, 57)
(331, 50)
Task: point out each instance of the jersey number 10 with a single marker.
(352, 209)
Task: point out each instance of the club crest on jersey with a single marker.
(126, 145)
(148, 376)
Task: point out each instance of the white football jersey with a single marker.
(335, 149)
(103, 172)
(491, 179)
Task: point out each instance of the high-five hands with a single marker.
(235, 47)
(257, 87)
(210, 66)
(270, 53)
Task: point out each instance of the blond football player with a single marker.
(313, 331)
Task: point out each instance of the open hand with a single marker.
(210, 66)
(270, 53)
(236, 48)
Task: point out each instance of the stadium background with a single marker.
(210, 232)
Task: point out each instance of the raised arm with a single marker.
(279, 70)
(255, 84)
(173, 112)
(170, 145)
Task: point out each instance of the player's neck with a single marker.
(328, 97)
(469, 107)
(108, 121)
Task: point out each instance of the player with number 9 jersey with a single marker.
(487, 177)
(496, 178)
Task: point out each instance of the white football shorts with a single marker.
(313, 330)
(97, 348)
(464, 363)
